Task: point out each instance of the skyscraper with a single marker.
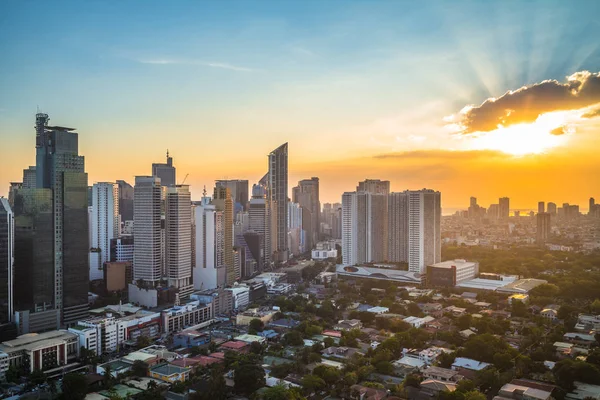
(552, 209)
(398, 227)
(364, 221)
(503, 208)
(178, 239)
(125, 201)
(424, 229)
(376, 186)
(147, 257)
(543, 227)
(105, 225)
(541, 207)
(166, 172)
(278, 197)
(239, 192)
(223, 202)
(258, 215)
(7, 236)
(60, 168)
(307, 195)
(29, 178)
(209, 271)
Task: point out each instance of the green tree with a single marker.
(143, 341)
(257, 325)
(139, 368)
(412, 380)
(465, 385)
(248, 378)
(293, 338)
(37, 377)
(329, 374)
(445, 360)
(12, 374)
(474, 395)
(280, 392)
(312, 383)
(464, 322)
(328, 342)
(74, 387)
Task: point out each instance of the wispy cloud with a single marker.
(170, 61)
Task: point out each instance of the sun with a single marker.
(548, 131)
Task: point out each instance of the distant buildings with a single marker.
(543, 230)
(209, 269)
(450, 273)
(125, 201)
(178, 239)
(223, 202)
(7, 244)
(147, 256)
(166, 172)
(239, 192)
(503, 208)
(306, 194)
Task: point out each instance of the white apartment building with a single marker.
(187, 315)
(108, 333)
(240, 296)
(208, 246)
(105, 224)
(178, 239)
(424, 229)
(147, 255)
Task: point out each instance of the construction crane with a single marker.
(186, 175)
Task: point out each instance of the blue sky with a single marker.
(356, 77)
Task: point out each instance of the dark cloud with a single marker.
(558, 131)
(442, 155)
(581, 89)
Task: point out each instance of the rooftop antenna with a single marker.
(204, 191)
(167, 153)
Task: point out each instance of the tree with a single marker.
(384, 367)
(328, 342)
(178, 387)
(74, 386)
(413, 381)
(518, 309)
(37, 377)
(445, 360)
(143, 341)
(139, 368)
(329, 374)
(312, 383)
(293, 338)
(464, 322)
(474, 395)
(12, 374)
(566, 372)
(256, 348)
(248, 377)
(465, 385)
(280, 392)
(257, 325)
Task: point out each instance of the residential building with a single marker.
(178, 239)
(424, 229)
(468, 367)
(30, 178)
(105, 225)
(398, 218)
(125, 201)
(185, 316)
(109, 333)
(441, 374)
(259, 223)
(551, 209)
(504, 208)
(541, 207)
(209, 271)
(245, 317)
(220, 299)
(117, 275)
(240, 296)
(587, 322)
(364, 227)
(306, 194)
(239, 192)
(166, 172)
(147, 256)
(170, 373)
(223, 202)
(122, 249)
(278, 197)
(543, 227)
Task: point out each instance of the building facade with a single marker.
(278, 197)
(7, 245)
(166, 172)
(178, 235)
(424, 229)
(105, 225)
(147, 254)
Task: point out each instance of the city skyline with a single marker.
(406, 102)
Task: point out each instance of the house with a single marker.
(434, 309)
(441, 374)
(236, 346)
(500, 314)
(483, 304)
(408, 362)
(466, 333)
(195, 362)
(268, 334)
(520, 297)
(469, 295)
(359, 392)
(250, 339)
(468, 367)
(286, 323)
(348, 324)
(524, 391)
(433, 387)
(549, 313)
(418, 322)
(580, 338)
(428, 356)
(333, 334)
(191, 338)
(456, 311)
(170, 373)
(340, 352)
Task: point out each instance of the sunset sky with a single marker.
(472, 98)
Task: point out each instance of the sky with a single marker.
(472, 98)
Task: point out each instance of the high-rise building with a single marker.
(296, 233)
(60, 168)
(224, 202)
(29, 178)
(105, 225)
(147, 255)
(209, 271)
(307, 195)
(364, 221)
(278, 197)
(125, 201)
(178, 239)
(424, 229)
(7, 245)
(543, 227)
(398, 227)
(259, 223)
(375, 186)
(473, 202)
(166, 172)
(503, 208)
(331, 225)
(593, 207)
(541, 207)
(493, 211)
(552, 209)
(239, 192)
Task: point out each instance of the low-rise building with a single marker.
(170, 373)
(587, 323)
(348, 324)
(185, 316)
(240, 295)
(468, 367)
(442, 374)
(250, 338)
(106, 336)
(280, 289)
(417, 322)
(235, 346)
(522, 392)
(41, 351)
(449, 273)
(191, 338)
(244, 318)
(520, 297)
(220, 299)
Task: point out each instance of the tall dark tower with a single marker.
(51, 234)
(278, 198)
(166, 172)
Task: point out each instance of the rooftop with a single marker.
(31, 341)
(169, 369)
(459, 263)
(235, 345)
(467, 363)
(522, 285)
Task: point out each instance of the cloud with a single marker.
(220, 65)
(558, 131)
(592, 114)
(525, 105)
(443, 155)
